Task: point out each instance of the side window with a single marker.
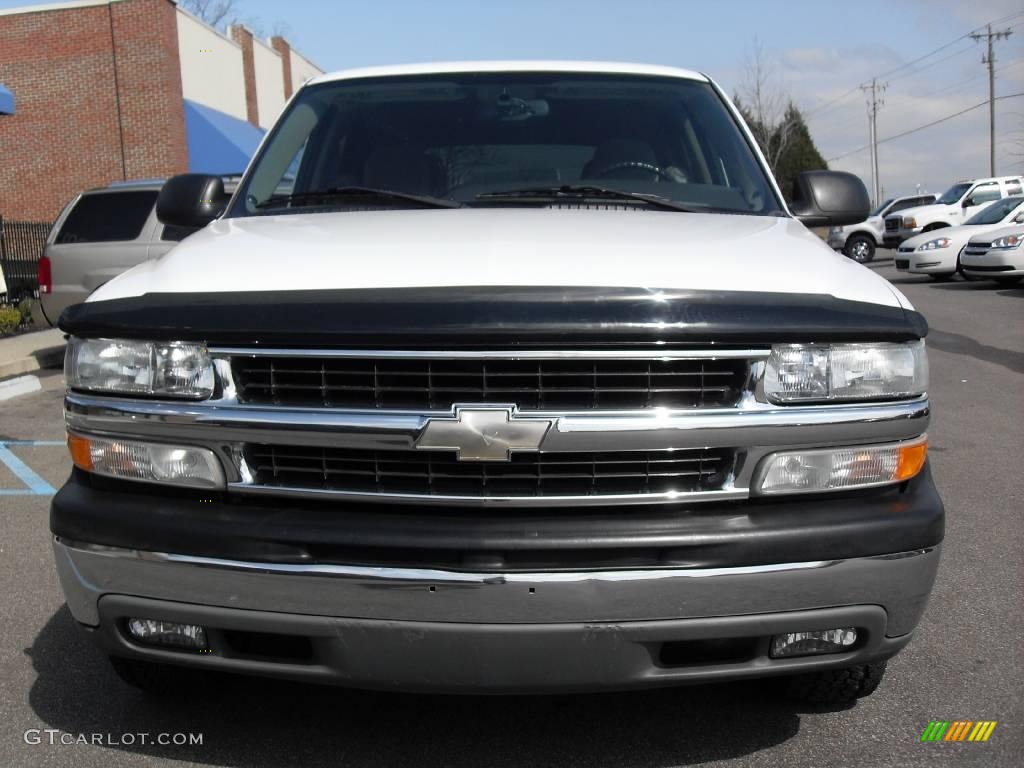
(1012, 188)
(983, 193)
(176, 234)
(107, 217)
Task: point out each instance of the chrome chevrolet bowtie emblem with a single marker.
(483, 434)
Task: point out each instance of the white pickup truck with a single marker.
(502, 377)
(956, 205)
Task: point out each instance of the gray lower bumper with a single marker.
(437, 630)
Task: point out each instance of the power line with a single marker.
(962, 83)
(846, 94)
(926, 125)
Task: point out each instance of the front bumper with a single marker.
(433, 630)
(994, 263)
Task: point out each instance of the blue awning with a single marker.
(6, 101)
(217, 142)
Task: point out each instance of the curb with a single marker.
(49, 357)
(20, 385)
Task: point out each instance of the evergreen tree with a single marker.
(786, 144)
(800, 153)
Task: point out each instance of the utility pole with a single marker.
(990, 59)
(874, 102)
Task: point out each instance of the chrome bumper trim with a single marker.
(500, 354)
(898, 582)
(595, 500)
(445, 576)
(756, 425)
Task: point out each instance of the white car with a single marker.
(937, 254)
(957, 204)
(859, 241)
(996, 256)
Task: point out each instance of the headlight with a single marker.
(165, 369)
(180, 465)
(936, 244)
(836, 372)
(909, 222)
(840, 469)
(1008, 242)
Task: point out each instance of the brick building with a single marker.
(125, 89)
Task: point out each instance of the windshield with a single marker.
(995, 213)
(459, 136)
(954, 193)
(882, 207)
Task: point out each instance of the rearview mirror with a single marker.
(191, 200)
(829, 199)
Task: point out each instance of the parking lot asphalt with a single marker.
(965, 663)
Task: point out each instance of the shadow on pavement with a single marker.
(959, 344)
(255, 722)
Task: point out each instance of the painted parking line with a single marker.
(34, 484)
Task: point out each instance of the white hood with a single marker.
(505, 246)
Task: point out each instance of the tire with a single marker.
(860, 248)
(942, 277)
(157, 679)
(836, 686)
(1007, 282)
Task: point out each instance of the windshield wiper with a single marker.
(582, 191)
(347, 193)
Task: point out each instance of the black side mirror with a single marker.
(829, 199)
(191, 200)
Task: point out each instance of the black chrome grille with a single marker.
(437, 383)
(430, 473)
(893, 224)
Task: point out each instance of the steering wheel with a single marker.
(600, 173)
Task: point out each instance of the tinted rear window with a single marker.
(105, 218)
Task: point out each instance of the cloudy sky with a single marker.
(819, 52)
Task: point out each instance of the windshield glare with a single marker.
(995, 213)
(953, 194)
(457, 136)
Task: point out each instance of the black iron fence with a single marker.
(21, 245)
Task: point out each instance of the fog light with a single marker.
(153, 632)
(817, 641)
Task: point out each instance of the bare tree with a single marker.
(213, 12)
(765, 106)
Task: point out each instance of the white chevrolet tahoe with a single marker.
(501, 377)
(955, 206)
(938, 254)
(859, 241)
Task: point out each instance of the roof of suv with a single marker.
(510, 66)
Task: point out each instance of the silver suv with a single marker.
(101, 233)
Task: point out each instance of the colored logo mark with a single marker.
(959, 730)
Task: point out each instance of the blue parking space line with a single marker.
(34, 484)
